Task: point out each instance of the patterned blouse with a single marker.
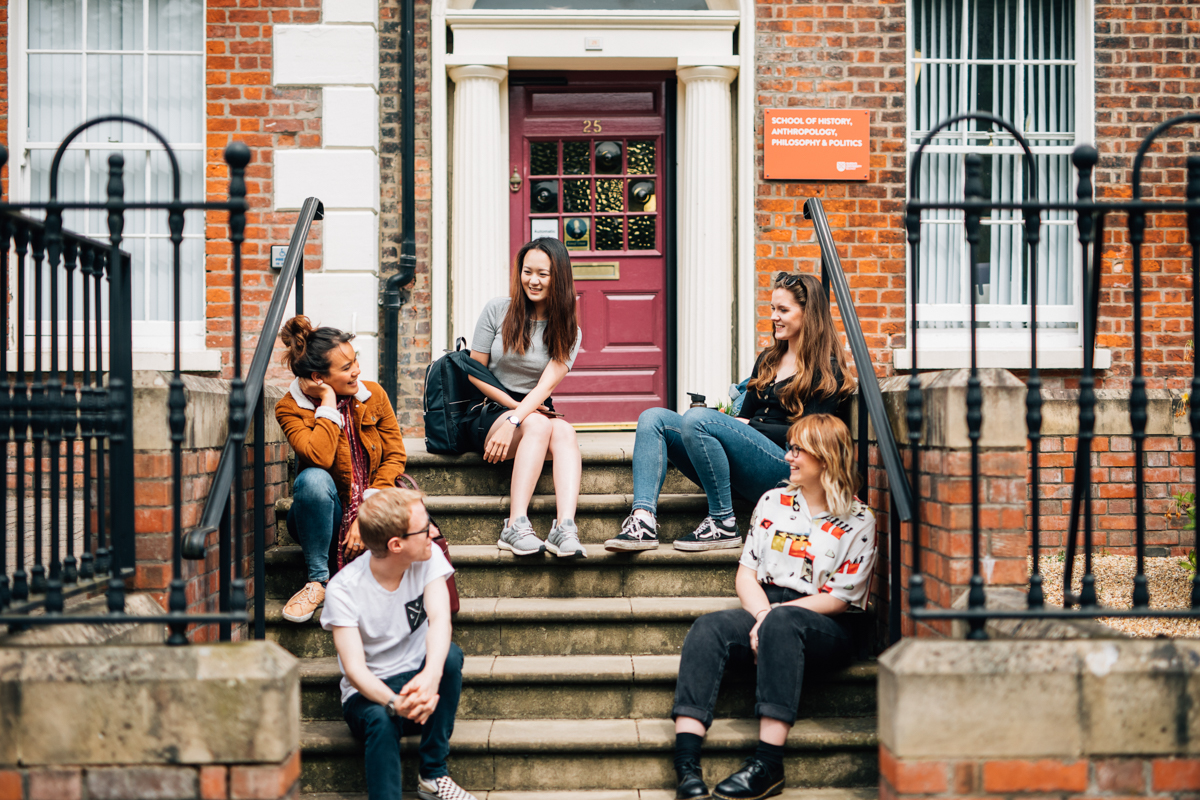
(789, 546)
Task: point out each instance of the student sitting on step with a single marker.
(529, 341)
(348, 446)
(389, 612)
(804, 372)
(807, 563)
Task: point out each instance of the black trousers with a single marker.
(790, 640)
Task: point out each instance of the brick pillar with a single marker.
(944, 492)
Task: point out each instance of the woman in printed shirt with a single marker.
(808, 561)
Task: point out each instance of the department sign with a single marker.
(816, 144)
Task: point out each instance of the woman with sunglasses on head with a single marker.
(803, 373)
(348, 446)
(529, 341)
(807, 564)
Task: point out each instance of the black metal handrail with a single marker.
(870, 405)
(62, 407)
(215, 516)
(1090, 223)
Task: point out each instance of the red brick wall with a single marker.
(414, 328)
(1044, 779)
(209, 782)
(242, 105)
(1147, 71)
(154, 526)
(1169, 470)
(841, 54)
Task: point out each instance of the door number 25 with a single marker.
(591, 126)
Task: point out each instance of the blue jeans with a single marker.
(315, 514)
(709, 447)
(381, 734)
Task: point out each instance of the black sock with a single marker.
(687, 748)
(771, 755)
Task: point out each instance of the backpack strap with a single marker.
(462, 359)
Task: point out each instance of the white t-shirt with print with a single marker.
(788, 546)
(392, 624)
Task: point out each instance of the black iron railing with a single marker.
(870, 407)
(246, 394)
(54, 411)
(1091, 219)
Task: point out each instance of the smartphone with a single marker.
(552, 413)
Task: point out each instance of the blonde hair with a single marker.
(385, 515)
(827, 438)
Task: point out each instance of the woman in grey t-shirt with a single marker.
(529, 340)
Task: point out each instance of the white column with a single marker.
(479, 205)
(706, 223)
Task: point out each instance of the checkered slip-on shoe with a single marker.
(443, 788)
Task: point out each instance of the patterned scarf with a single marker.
(358, 471)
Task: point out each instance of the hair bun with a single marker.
(294, 334)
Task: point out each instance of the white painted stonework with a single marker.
(350, 117)
(351, 11)
(479, 247)
(342, 58)
(351, 241)
(705, 302)
(338, 178)
(334, 299)
(326, 55)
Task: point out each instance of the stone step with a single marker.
(607, 469)
(487, 571)
(595, 687)
(478, 519)
(611, 754)
(520, 626)
(841, 793)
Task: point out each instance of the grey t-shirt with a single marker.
(516, 372)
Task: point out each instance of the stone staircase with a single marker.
(571, 665)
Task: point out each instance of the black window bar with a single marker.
(1090, 224)
(85, 410)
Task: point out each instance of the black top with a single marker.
(771, 419)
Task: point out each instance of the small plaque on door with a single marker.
(543, 229)
(577, 230)
(596, 271)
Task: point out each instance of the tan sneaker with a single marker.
(304, 603)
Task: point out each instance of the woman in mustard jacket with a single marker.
(348, 446)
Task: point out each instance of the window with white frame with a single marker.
(1021, 61)
(139, 58)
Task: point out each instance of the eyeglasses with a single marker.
(787, 279)
(426, 531)
(795, 450)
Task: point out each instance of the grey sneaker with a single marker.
(563, 540)
(518, 536)
(443, 788)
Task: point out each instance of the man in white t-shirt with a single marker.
(389, 611)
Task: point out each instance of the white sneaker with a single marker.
(443, 788)
(563, 540)
(518, 538)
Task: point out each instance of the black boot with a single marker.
(691, 784)
(753, 781)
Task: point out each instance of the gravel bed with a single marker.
(1170, 586)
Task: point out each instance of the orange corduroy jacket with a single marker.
(316, 436)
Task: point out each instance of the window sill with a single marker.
(190, 360)
(1065, 358)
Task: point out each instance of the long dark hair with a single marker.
(820, 349)
(561, 326)
(308, 348)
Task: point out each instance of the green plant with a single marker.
(725, 407)
(1060, 556)
(1185, 503)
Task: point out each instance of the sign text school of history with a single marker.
(816, 144)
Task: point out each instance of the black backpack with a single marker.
(448, 396)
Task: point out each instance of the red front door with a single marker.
(589, 153)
